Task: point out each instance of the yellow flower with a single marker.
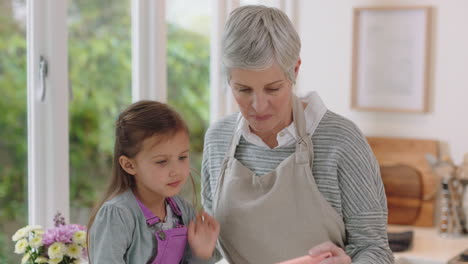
(21, 246)
(74, 251)
(25, 258)
(42, 260)
(78, 261)
(79, 237)
(56, 250)
(55, 260)
(39, 232)
(21, 233)
(36, 242)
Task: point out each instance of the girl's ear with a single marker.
(127, 165)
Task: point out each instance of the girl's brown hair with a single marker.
(138, 122)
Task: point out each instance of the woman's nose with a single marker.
(259, 102)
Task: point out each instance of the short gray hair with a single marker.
(255, 37)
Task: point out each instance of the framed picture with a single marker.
(390, 64)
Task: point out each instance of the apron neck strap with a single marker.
(298, 117)
(235, 138)
(304, 147)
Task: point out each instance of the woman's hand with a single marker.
(202, 235)
(338, 254)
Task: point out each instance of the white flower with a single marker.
(36, 242)
(55, 260)
(25, 258)
(79, 237)
(21, 233)
(42, 260)
(74, 251)
(33, 228)
(56, 251)
(39, 232)
(21, 246)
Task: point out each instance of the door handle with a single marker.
(42, 78)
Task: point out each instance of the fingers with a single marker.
(326, 247)
(338, 254)
(337, 260)
(204, 220)
(210, 221)
(200, 217)
(191, 229)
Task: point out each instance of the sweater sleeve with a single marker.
(206, 193)
(364, 202)
(110, 235)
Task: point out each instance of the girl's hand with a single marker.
(203, 234)
(338, 254)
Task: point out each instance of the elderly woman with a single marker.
(286, 174)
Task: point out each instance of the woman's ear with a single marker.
(296, 68)
(127, 165)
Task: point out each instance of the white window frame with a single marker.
(48, 143)
(149, 42)
(48, 120)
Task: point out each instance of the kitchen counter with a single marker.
(428, 246)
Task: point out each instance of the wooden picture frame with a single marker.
(391, 55)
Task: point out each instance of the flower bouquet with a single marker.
(62, 244)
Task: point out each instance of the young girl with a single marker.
(141, 220)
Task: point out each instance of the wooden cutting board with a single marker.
(403, 187)
(410, 184)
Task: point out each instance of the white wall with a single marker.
(325, 27)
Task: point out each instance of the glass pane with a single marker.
(188, 61)
(272, 3)
(13, 125)
(100, 76)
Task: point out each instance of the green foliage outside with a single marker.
(13, 132)
(188, 85)
(100, 74)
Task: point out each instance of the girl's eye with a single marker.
(161, 162)
(183, 158)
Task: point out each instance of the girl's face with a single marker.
(161, 168)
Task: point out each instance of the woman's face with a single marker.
(264, 98)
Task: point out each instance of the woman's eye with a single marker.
(273, 89)
(161, 162)
(244, 90)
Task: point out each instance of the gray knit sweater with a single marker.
(345, 170)
(120, 235)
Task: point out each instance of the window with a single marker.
(188, 64)
(99, 48)
(13, 125)
(92, 48)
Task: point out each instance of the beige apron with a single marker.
(277, 216)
